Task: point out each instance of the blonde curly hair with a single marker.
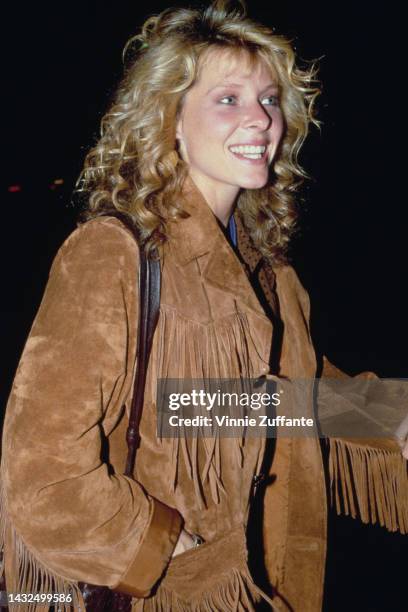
(133, 167)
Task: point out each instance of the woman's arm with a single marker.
(78, 519)
(368, 476)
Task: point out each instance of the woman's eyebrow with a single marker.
(232, 84)
(273, 86)
(224, 84)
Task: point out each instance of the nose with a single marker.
(257, 117)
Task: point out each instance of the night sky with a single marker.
(62, 62)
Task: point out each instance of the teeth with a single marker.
(258, 151)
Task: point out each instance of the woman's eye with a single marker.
(228, 100)
(270, 101)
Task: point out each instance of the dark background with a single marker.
(63, 61)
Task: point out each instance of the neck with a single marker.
(220, 200)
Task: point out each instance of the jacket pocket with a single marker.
(213, 576)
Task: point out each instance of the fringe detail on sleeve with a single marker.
(235, 592)
(222, 350)
(26, 574)
(371, 483)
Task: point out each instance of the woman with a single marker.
(200, 151)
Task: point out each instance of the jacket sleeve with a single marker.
(368, 474)
(80, 520)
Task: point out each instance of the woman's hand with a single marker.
(401, 436)
(185, 542)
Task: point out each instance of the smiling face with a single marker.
(230, 124)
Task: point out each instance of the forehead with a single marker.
(230, 65)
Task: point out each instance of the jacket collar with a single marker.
(198, 233)
(199, 236)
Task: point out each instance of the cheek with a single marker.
(217, 123)
(278, 126)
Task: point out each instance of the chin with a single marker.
(253, 183)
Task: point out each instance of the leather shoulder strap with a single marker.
(149, 306)
(149, 280)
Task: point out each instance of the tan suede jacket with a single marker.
(68, 513)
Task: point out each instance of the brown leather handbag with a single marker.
(102, 598)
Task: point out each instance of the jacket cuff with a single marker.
(154, 552)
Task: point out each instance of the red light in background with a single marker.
(56, 183)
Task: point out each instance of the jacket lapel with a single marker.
(199, 237)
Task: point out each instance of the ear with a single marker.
(179, 128)
(180, 138)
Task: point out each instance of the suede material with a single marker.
(153, 550)
(67, 506)
(77, 517)
(295, 500)
(304, 550)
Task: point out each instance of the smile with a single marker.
(248, 151)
